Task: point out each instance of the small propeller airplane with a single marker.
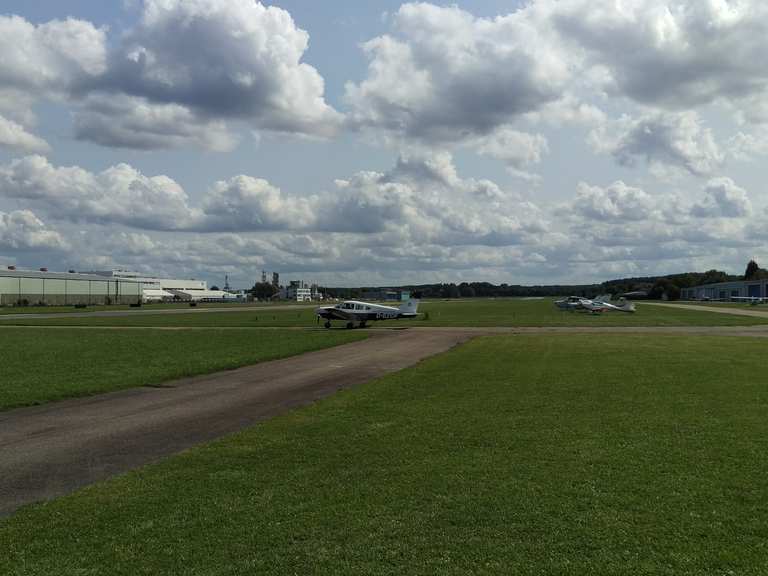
(596, 305)
(752, 300)
(353, 311)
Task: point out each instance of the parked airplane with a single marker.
(596, 305)
(353, 311)
(571, 303)
(753, 300)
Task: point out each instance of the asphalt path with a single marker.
(149, 312)
(48, 451)
(714, 309)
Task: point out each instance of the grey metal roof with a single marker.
(60, 276)
(729, 283)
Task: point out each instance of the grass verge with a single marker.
(476, 312)
(44, 365)
(509, 455)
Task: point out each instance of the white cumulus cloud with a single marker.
(723, 198)
(444, 75)
(187, 74)
(15, 137)
(675, 54)
(617, 202)
(236, 60)
(665, 141)
(247, 203)
(21, 230)
(50, 57)
(120, 194)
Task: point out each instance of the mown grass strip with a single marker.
(476, 312)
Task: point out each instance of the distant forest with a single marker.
(655, 287)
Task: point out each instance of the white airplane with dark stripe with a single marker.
(354, 312)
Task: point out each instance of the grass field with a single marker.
(7, 310)
(44, 365)
(509, 455)
(742, 305)
(479, 312)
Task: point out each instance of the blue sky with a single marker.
(359, 143)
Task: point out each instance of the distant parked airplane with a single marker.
(596, 305)
(353, 311)
(753, 300)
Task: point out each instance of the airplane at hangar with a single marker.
(353, 311)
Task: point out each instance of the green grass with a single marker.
(6, 310)
(509, 455)
(44, 365)
(741, 305)
(479, 312)
(513, 312)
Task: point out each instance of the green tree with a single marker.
(263, 290)
(662, 287)
(450, 291)
(752, 271)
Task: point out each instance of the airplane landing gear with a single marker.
(327, 324)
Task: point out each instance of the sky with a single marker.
(358, 143)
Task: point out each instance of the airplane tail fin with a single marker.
(626, 306)
(409, 307)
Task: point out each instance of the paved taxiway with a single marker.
(725, 310)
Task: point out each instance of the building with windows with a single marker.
(727, 290)
(41, 287)
(301, 291)
(386, 295)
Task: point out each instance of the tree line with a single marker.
(656, 287)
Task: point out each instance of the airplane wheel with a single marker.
(327, 324)
(350, 325)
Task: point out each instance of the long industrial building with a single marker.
(170, 289)
(727, 290)
(33, 287)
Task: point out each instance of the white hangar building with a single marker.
(33, 287)
(727, 290)
(168, 289)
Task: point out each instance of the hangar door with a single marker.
(753, 290)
